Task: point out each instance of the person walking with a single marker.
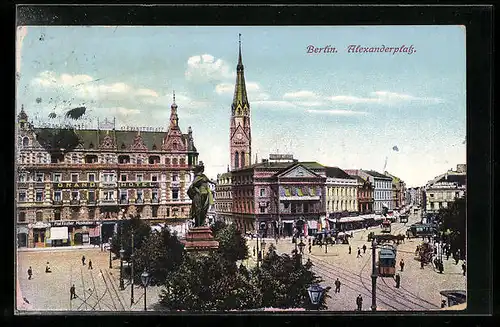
(364, 248)
(421, 262)
(349, 249)
(402, 264)
(398, 280)
(47, 268)
(254, 251)
(337, 286)
(359, 253)
(72, 293)
(30, 272)
(456, 259)
(83, 260)
(464, 268)
(359, 302)
(90, 264)
(309, 248)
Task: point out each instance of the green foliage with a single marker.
(123, 237)
(162, 254)
(232, 245)
(204, 283)
(452, 224)
(283, 280)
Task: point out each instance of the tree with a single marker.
(123, 237)
(162, 253)
(232, 245)
(204, 283)
(284, 280)
(452, 224)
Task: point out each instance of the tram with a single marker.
(421, 230)
(387, 261)
(386, 226)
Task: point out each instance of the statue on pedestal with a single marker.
(201, 196)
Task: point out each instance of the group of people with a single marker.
(30, 270)
(90, 262)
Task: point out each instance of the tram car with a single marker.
(421, 230)
(387, 261)
(403, 219)
(386, 226)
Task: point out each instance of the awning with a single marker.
(312, 224)
(58, 233)
(22, 230)
(287, 221)
(95, 232)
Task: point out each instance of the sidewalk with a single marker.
(59, 248)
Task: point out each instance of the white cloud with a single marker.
(254, 91)
(224, 88)
(336, 112)
(382, 97)
(147, 92)
(204, 68)
(274, 104)
(22, 31)
(300, 95)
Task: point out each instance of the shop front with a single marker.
(39, 232)
(22, 236)
(287, 228)
(59, 236)
(78, 233)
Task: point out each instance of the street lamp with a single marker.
(109, 243)
(145, 278)
(301, 246)
(374, 276)
(122, 253)
(315, 293)
(263, 245)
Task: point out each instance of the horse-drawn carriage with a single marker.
(424, 252)
(384, 238)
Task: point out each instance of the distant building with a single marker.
(223, 198)
(365, 196)
(382, 187)
(341, 192)
(398, 191)
(444, 189)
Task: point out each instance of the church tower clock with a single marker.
(240, 137)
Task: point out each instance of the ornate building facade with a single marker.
(240, 136)
(382, 187)
(398, 191)
(341, 192)
(365, 196)
(74, 196)
(444, 189)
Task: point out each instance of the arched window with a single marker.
(182, 161)
(236, 159)
(26, 141)
(174, 161)
(167, 161)
(243, 159)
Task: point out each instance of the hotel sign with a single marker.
(281, 156)
(137, 184)
(75, 185)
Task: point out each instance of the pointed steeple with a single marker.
(240, 106)
(174, 119)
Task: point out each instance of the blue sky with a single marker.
(341, 109)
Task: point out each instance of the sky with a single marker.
(350, 110)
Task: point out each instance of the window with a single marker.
(139, 194)
(154, 178)
(123, 178)
(91, 177)
(74, 178)
(123, 195)
(22, 177)
(431, 195)
(91, 196)
(22, 196)
(57, 215)
(57, 177)
(39, 216)
(109, 177)
(154, 195)
(26, 141)
(175, 177)
(57, 196)
(175, 194)
(22, 216)
(108, 195)
(75, 195)
(39, 195)
(262, 210)
(139, 178)
(139, 161)
(39, 177)
(74, 158)
(154, 211)
(262, 192)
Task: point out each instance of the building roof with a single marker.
(92, 138)
(377, 174)
(336, 172)
(460, 179)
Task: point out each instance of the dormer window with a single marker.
(123, 146)
(154, 147)
(26, 141)
(91, 145)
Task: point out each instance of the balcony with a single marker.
(74, 202)
(124, 201)
(92, 202)
(154, 200)
(108, 201)
(139, 201)
(175, 183)
(58, 202)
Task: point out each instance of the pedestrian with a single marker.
(421, 263)
(359, 253)
(90, 264)
(72, 293)
(441, 266)
(456, 259)
(337, 286)
(30, 272)
(83, 260)
(464, 268)
(447, 254)
(359, 302)
(398, 280)
(402, 264)
(349, 249)
(309, 248)
(364, 248)
(254, 251)
(47, 268)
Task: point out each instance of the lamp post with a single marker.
(110, 265)
(145, 278)
(301, 249)
(132, 272)
(263, 245)
(315, 294)
(374, 276)
(122, 285)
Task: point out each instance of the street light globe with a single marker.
(145, 278)
(315, 293)
(122, 253)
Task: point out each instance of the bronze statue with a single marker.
(200, 195)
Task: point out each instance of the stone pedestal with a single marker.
(200, 239)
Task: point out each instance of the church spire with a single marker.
(174, 119)
(240, 106)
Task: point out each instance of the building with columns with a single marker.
(445, 188)
(341, 192)
(77, 195)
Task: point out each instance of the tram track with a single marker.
(115, 290)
